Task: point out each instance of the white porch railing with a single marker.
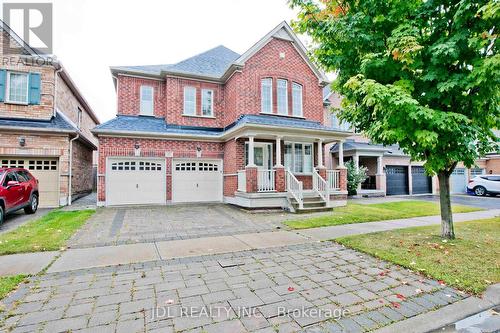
(242, 181)
(265, 180)
(295, 188)
(333, 178)
(320, 186)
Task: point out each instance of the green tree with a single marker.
(354, 177)
(424, 74)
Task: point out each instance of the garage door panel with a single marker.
(458, 181)
(196, 181)
(45, 170)
(421, 183)
(396, 180)
(135, 181)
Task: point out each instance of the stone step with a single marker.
(312, 210)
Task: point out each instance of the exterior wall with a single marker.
(67, 103)
(123, 147)
(42, 111)
(82, 179)
(493, 165)
(234, 160)
(40, 145)
(128, 91)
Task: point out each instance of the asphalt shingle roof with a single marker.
(158, 125)
(213, 62)
(56, 123)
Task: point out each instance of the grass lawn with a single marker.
(471, 262)
(9, 283)
(47, 233)
(358, 213)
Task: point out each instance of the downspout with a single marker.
(71, 167)
(55, 88)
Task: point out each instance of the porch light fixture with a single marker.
(137, 150)
(22, 141)
(136, 146)
(198, 151)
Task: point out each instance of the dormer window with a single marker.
(190, 101)
(297, 100)
(147, 101)
(266, 95)
(282, 92)
(207, 103)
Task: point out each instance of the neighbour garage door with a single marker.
(458, 181)
(421, 183)
(396, 179)
(46, 170)
(135, 182)
(196, 180)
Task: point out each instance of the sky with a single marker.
(91, 35)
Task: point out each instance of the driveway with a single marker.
(468, 200)
(282, 289)
(17, 219)
(115, 226)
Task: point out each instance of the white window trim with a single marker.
(293, 143)
(184, 98)
(270, 96)
(286, 97)
(261, 145)
(301, 100)
(7, 88)
(141, 111)
(211, 102)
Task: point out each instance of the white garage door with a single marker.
(458, 181)
(46, 170)
(135, 182)
(196, 180)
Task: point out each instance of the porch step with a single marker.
(311, 205)
(312, 210)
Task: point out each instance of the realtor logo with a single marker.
(32, 22)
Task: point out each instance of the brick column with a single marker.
(343, 178)
(322, 172)
(280, 180)
(251, 175)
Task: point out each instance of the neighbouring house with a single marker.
(390, 170)
(45, 123)
(244, 129)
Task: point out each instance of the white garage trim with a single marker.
(119, 163)
(193, 164)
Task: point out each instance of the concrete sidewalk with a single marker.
(74, 259)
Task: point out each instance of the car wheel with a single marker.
(1, 215)
(33, 205)
(480, 191)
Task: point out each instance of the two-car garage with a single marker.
(144, 181)
(397, 180)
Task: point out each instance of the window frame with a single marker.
(186, 88)
(278, 89)
(141, 99)
(270, 95)
(294, 85)
(7, 88)
(292, 167)
(203, 102)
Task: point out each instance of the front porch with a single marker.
(288, 172)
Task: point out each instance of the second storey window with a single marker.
(297, 100)
(207, 102)
(266, 94)
(282, 92)
(190, 101)
(146, 100)
(17, 87)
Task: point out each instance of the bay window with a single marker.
(299, 157)
(190, 101)
(282, 98)
(297, 99)
(266, 95)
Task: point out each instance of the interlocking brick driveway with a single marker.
(320, 276)
(112, 226)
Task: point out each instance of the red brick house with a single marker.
(45, 123)
(222, 127)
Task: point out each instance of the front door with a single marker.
(263, 156)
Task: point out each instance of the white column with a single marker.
(251, 162)
(320, 154)
(341, 154)
(379, 165)
(278, 152)
(355, 158)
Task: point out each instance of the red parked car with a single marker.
(18, 189)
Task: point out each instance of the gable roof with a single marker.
(220, 62)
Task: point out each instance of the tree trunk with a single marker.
(445, 204)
